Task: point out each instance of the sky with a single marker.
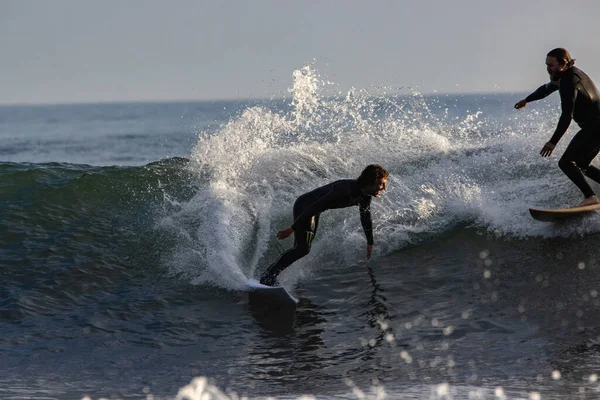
(69, 51)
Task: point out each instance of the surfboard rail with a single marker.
(551, 215)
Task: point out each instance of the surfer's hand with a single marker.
(547, 149)
(369, 251)
(521, 104)
(285, 233)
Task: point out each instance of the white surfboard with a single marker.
(562, 213)
(278, 293)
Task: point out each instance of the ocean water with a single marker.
(127, 232)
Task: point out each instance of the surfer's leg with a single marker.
(576, 158)
(593, 173)
(302, 241)
(286, 259)
(593, 149)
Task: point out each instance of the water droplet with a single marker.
(556, 375)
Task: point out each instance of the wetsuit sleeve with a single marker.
(543, 91)
(568, 94)
(318, 206)
(365, 219)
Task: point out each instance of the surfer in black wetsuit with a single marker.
(308, 207)
(580, 102)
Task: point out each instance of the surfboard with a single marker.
(561, 213)
(277, 293)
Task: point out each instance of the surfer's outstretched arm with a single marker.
(367, 223)
(543, 91)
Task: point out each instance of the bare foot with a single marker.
(588, 201)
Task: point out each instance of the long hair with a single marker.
(371, 174)
(562, 56)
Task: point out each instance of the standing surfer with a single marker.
(580, 102)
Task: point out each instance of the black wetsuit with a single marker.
(580, 101)
(308, 207)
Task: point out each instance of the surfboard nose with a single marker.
(276, 293)
(552, 215)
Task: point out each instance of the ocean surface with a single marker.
(128, 231)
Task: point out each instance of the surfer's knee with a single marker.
(301, 250)
(566, 164)
(582, 165)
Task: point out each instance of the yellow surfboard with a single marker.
(561, 213)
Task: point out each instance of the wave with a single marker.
(474, 167)
(454, 162)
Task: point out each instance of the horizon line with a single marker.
(226, 100)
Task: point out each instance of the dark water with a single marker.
(127, 235)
